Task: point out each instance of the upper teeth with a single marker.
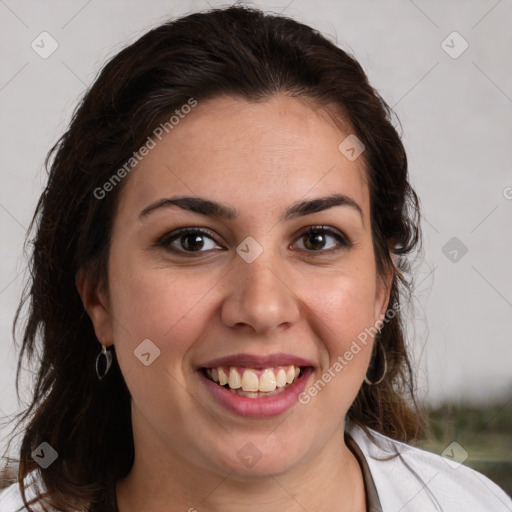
(254, 380)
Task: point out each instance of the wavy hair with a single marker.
(235, 51)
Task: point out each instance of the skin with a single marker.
(258, 158)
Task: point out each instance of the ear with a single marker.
(95, 302)
(383, 291)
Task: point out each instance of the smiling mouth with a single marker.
(254, 383)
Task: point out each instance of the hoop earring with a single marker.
(375, 363)
(107, 354)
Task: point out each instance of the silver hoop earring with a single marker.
(377, 363)
(107, 355)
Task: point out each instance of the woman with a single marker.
(217, 275)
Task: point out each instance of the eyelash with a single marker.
(166, 240)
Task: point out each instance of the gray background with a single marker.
(457, 128)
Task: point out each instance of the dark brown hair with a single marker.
(235, 51)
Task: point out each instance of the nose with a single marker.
(260, 297)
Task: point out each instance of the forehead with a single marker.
(253, 156)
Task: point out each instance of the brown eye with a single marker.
(191, 242)
(319, 239)
(315, 241)
(188, 240)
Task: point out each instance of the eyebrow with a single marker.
(221, 211)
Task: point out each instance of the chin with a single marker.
(248, 460)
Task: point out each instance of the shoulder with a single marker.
(10, 497)
(410, 479)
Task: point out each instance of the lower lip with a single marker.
(264, 407)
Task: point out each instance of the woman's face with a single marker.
(254, 287)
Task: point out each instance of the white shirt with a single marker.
(405, 478)
(419, 481)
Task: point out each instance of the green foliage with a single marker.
(485, 432)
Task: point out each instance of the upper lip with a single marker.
(257, 361)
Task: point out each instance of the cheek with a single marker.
(344, 304)
(344, 313)
(344, 309)
(164, 307)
